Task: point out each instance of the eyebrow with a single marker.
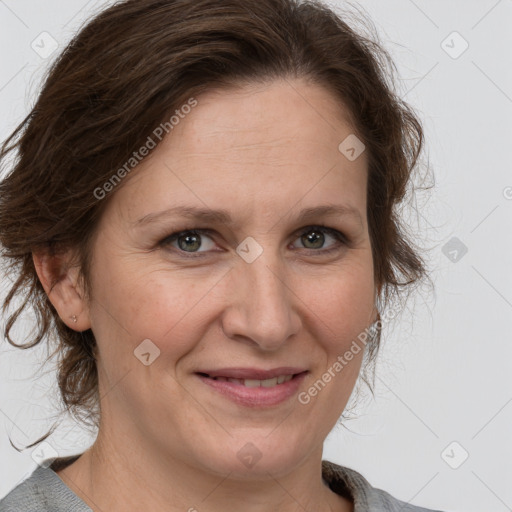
(223, 216)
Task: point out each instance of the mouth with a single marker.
(254, 392)
(255, 383)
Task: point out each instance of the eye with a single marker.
(313, 238)
(188, 241)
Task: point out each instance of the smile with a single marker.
(254, 383)
(255, 392)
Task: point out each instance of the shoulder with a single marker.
(347, 481)
(42, 491)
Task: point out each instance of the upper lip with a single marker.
(252, 373)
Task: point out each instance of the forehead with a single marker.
(268, 118)
(260, 149)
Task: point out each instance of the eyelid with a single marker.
(341, 238)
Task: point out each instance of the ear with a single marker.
(60, 282)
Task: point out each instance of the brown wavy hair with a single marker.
(126, 72)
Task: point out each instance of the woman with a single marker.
(204, 205)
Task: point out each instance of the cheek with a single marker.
(342, 301)
(137, 301)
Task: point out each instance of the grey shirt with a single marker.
(44, 491)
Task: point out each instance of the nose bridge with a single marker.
(262, 302)
(267, 283)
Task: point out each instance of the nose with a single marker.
(262, 309)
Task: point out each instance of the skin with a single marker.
(166, 440)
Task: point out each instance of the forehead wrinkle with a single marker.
(253, 142)
(317, 149)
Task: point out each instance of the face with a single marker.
(264, 289)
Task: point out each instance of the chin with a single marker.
(255, 457)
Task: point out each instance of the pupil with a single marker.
(189, 242)
(314, 238)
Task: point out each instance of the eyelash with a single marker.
(338, 235)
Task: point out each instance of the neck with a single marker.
(116, 476)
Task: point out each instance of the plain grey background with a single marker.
(437, 433)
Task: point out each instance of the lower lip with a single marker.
(256, 397)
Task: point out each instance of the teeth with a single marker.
(269, 383)
(253, 383)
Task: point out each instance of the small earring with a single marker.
(73, 318)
